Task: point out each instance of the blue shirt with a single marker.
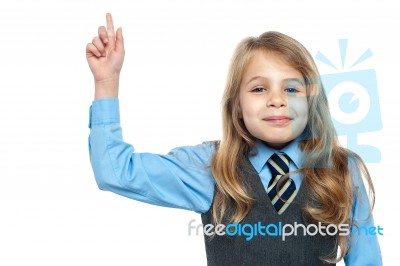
(183, 179)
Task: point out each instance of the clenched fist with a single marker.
(105, 55)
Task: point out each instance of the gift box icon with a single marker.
(354, 103)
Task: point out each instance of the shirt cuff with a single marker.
(104, 111)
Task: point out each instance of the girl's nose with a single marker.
(276, 98)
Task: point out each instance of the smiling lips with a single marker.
(278, 120)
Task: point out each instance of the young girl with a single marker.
(277, 173)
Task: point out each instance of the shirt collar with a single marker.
(263, 152)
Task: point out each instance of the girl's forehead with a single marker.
(263, 55)
(266, 63)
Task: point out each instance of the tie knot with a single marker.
(278, 164)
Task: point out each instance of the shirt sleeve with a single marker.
(180, 179)
(364, 246)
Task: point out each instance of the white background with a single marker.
(177, 54)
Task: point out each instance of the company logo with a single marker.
(249, 231)
(354, 101)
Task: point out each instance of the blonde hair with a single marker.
(325, 164)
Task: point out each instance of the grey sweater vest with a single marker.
(265, 249)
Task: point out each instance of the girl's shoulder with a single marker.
(360, 177)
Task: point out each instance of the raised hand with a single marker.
(105, 55)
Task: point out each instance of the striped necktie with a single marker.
(280, 193)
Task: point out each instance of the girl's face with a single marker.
(273, 100)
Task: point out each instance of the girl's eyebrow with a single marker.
(254, 78)
(296, 80)
(288, 80)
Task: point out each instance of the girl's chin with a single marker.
(278, 144)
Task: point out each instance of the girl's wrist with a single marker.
(107, 88)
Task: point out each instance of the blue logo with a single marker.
(354, 102)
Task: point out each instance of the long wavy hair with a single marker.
(324, 167)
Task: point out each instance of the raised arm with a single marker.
(105, 55)
(179, 179)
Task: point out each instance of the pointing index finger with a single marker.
(110, 24)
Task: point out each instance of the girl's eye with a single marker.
(258, 89)
(291, 90)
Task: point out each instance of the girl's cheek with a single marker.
(298, 105)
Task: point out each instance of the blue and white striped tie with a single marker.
(280, 193)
